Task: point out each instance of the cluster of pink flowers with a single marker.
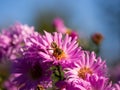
(12, 39)
(51, 61)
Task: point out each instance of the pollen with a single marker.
(83, 72)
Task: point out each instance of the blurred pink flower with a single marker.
(58, 23)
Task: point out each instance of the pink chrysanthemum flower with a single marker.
(99, 82)
(31, 73)
(93, 82)
(58, 23)
(12, 39)
(54, 47)
(87, 64)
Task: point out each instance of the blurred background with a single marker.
(85, 16)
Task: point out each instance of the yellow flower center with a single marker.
(83, 71)
(57, 52)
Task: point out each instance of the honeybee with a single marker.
(54, 45)
(56, 49)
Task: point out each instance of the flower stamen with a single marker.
(36, 71)
(83, 72)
